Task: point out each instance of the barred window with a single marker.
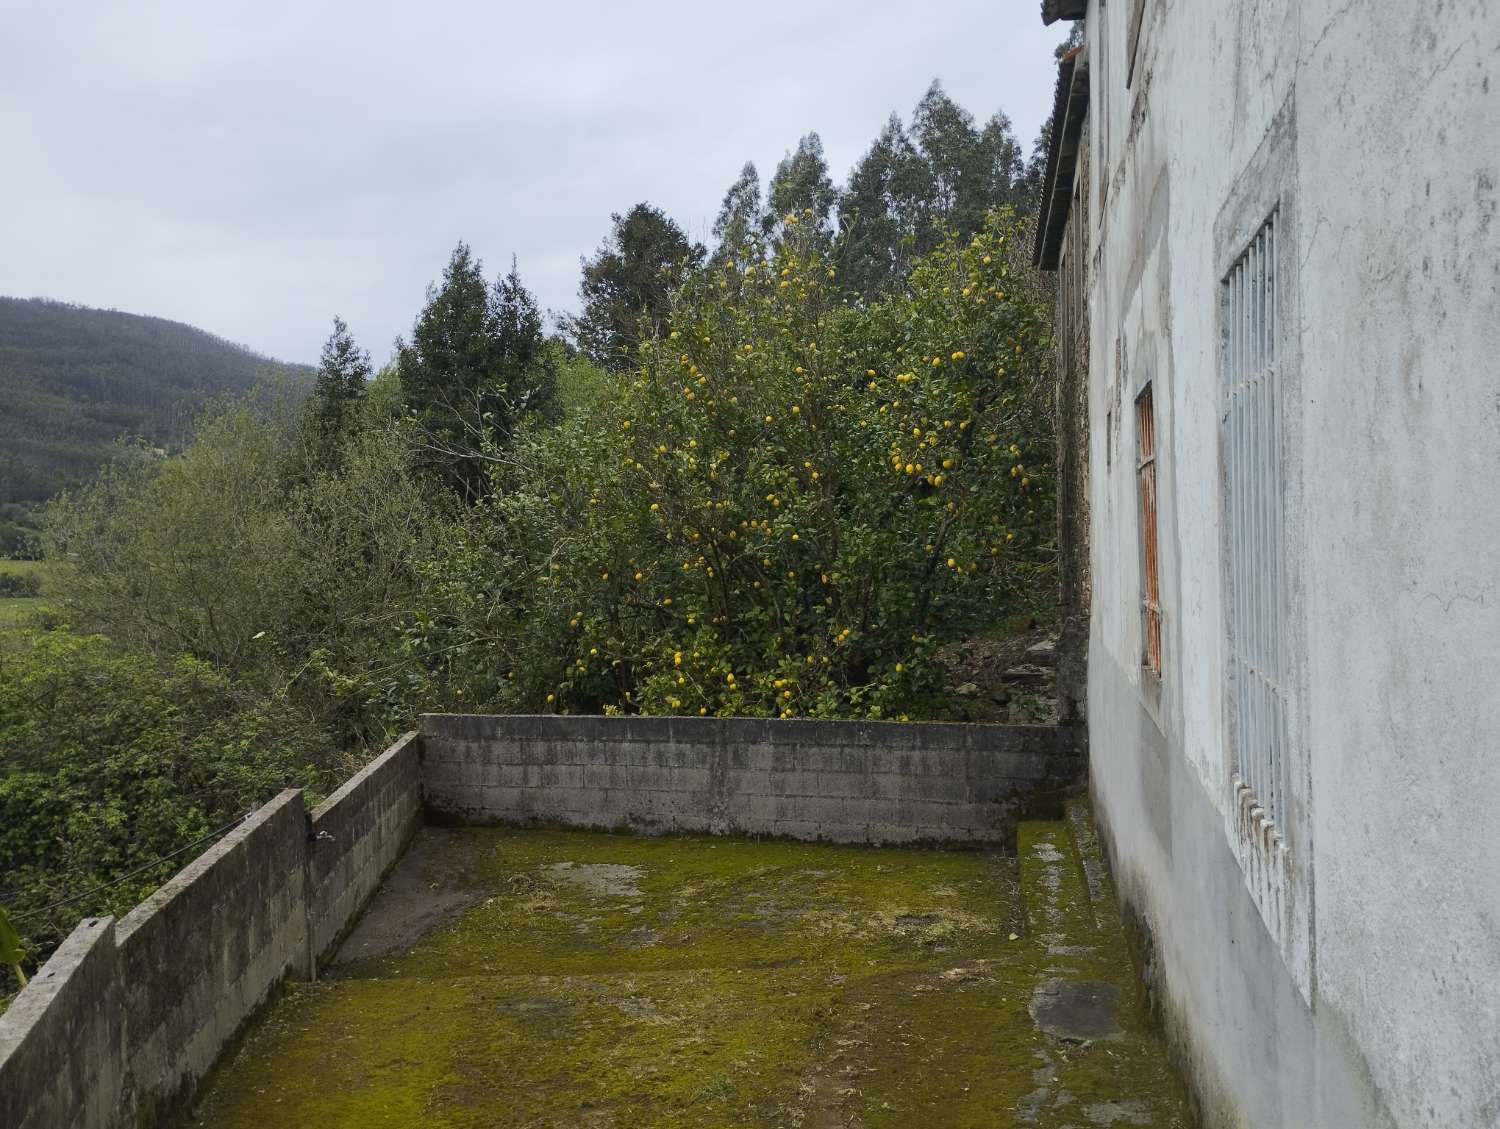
(1253, 496)
(1145, 431)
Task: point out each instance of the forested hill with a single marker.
(74, 379)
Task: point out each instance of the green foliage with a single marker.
(881, 211)
(475, 369)
(109, 761)
(739, 218)
(185, 555)
(628, 284)
(340, 386)
(912, 189)
(73, 380)
(783, 507)
(383, 400)
(972, 168)
(12, 951)
(580, 382)
(20, 531)
(19, 585)
(803, 188)
(249, 555)
(783, 511)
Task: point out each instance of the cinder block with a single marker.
(784, 807)
(794, 783)
(890, 833)
(690, 779)
(818, 757)
(560, 777)
(759, 809)
(500, 801)
(938, 789)
(889, 785)
(853, 759)
(804, 829)
(649, 778)
(845, 784)
(739, 785)
(826, 811)
(585, 801)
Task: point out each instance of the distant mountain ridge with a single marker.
(74, 379)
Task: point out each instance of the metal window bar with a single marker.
(1254, 496)
(1145, 430)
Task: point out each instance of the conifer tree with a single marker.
(525, 369)
(628, 284)
(475, 368)
(343, 372)
(914, 187)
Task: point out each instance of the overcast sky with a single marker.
(255, 168)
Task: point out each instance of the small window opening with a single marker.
(1145, 430)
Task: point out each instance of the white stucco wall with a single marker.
(1375, 125)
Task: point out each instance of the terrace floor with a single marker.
(559, 978)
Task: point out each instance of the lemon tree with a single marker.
(782, 510)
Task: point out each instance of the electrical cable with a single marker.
(133, 872)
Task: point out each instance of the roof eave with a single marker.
(1068, 113)
(1054, 10)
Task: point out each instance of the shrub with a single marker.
(19, 585)
(783, 511)
(108, 761)
(272, 564)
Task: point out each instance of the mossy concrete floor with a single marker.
(573, 979)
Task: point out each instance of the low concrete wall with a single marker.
(121, 1025)
(358, 833)
(60, 1060)
(206, 949)
(848, 782)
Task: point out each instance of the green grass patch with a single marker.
(16, 614)
(42, 569)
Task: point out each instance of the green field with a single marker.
(15, 613)
(37, 568)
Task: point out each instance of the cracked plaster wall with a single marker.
(1376, 127)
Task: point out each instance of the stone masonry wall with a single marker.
(848, 782)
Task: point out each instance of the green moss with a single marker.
(614, 980)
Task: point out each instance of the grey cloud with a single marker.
(255, 169)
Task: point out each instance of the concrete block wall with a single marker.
(841, 781)
(60, 1061)
(206, 950)
(122, 1023)
(357, 835)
